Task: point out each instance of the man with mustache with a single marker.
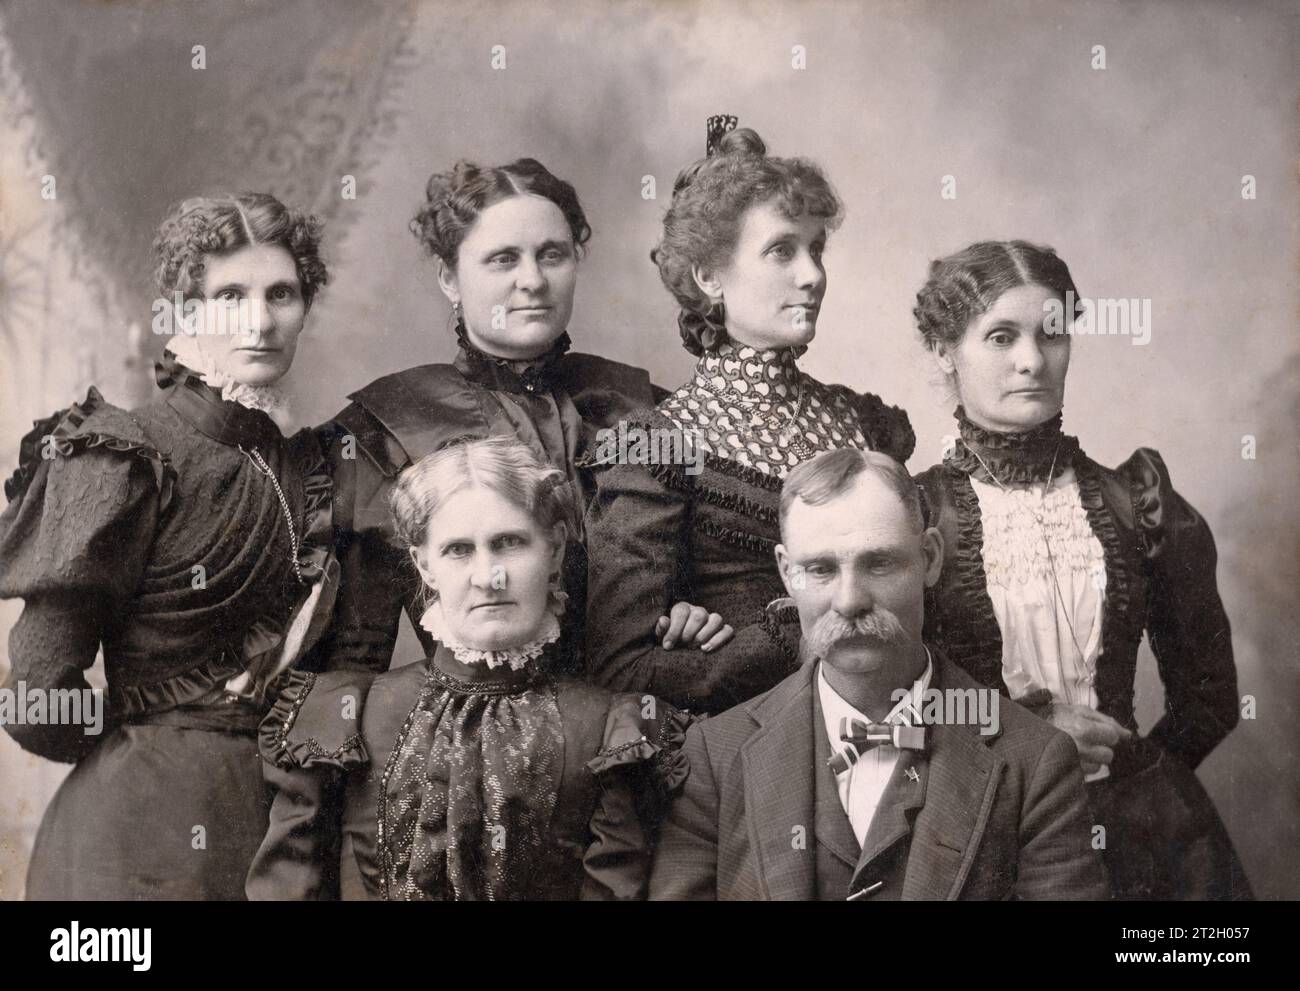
(830, 786)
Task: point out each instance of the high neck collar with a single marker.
(1021, 457)
(201, 406)
(531, 375)
(476, 664)
(755, 375)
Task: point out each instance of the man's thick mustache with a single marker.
(879, 625)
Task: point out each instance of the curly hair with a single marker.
(453, 201)
(964, 285)
(215, 225)
(703, 223)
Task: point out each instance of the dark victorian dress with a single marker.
(1046, 592)
(148, 533)
(555, 405)
(453, 782)
(706, 533)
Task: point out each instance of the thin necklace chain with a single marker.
(789, 433)
(1051, 559)
(260, 464)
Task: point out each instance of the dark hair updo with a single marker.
(216, 225)
(702, 225)
(963, 286)
(453, 201)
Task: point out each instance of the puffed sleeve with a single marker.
(639, 564)
(639, 768)
(83, 508)
(1186, 623)
(309, 742)
(887, 428)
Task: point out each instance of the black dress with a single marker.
(148, 533)
(706, 533)
(555, 404)
(1164, 839)
(453, 782)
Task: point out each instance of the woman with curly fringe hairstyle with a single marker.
(507, 242)
(190, 541)
(1055, 566)
(697, 520)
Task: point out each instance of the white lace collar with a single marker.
(515, 657)
(265, 398)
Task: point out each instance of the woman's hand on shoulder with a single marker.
(1093, 733)
(688, 624)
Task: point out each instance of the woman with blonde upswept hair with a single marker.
(742, 253)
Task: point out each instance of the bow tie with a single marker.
(857, 737)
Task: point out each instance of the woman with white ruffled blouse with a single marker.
(1055, 566)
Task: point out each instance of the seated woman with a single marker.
(190, 541)
(1054, 566)
(507, 242)
(742, 253)
(478, 773)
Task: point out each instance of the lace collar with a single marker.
(264, 398)
(1020, 458)
(531, 375)
(741, 372)
(515, 658)
(201, 406)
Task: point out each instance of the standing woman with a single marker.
(189, 540)
(1054, 566)
(742, 253)
(507, 242)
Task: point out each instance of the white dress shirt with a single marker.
(863, 784)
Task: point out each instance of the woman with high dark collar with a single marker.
(742, 253)
(481, 772)
(507, 242)
(1055, 566)
(190, 541)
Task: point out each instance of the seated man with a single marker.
(791, 795)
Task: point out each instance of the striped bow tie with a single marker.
(857, 737)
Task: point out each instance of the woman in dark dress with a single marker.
(1055, 566)
(479, 773)
(507, 242)
(742, 253)
(189, 540)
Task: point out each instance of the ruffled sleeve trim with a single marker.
(316, 547)
(314, 722)
(68, 434)
(653, 744)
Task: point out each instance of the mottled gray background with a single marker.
(1133, 173)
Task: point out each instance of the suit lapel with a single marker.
(962, 779)
(900, 803)
(779, 790)
(833, 829)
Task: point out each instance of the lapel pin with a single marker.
(911, 773)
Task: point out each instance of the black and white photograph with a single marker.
(659, 450)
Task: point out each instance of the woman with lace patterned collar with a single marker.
(480, 773)
(1054, 566)
(742, 253)
(189, 540)
(507, 242)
